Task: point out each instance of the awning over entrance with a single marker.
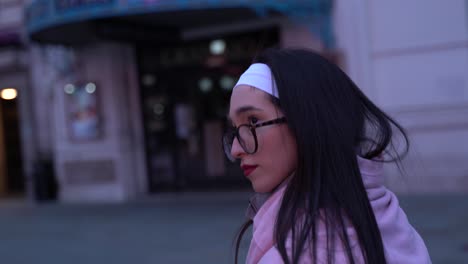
(82, 21)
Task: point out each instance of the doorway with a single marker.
(11, 172)
(185, 91)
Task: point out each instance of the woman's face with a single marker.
(276, 156)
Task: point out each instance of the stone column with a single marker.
(110, 166)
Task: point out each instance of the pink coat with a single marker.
(402, 244)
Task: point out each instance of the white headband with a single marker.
(259, 76)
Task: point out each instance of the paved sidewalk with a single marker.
(183, 228)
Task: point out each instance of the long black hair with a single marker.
(333, 122)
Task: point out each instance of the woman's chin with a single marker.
(259, 188)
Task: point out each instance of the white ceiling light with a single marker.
(205, 84)
(217, 47)
(226, 82)
(90, 88)
(69, 88)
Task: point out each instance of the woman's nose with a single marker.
(237, 151)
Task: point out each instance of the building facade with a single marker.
(411, 59)
(137, 90)
(15, 148)
(130, 95)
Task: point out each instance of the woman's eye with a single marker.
(253, 120)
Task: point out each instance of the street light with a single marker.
(9, 93)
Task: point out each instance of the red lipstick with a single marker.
(248, 169)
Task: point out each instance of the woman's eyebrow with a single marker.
(246, 108)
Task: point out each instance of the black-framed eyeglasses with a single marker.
(246, 136)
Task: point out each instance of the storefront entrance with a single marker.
(11, 174)
(185, 90)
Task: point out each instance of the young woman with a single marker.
(313, 147)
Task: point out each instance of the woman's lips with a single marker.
(248, 169)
